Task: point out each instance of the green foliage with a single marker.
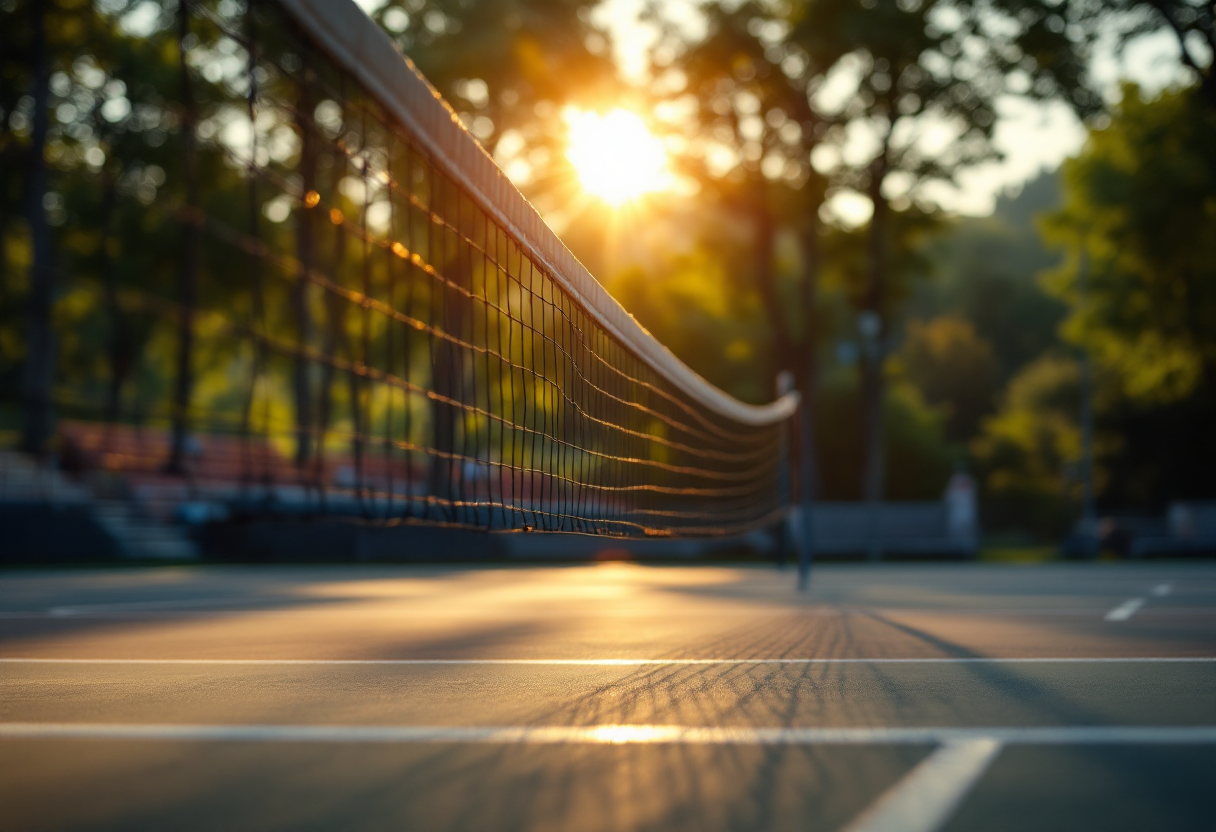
(985, 270)
(918, 457)
(697, 305)
(1139, 278)
(707, 319)
(747, 87)
(955, 370)
(1146, 454)
(909, 240)
(120, 216)
(109, 152)
(1153, 452)
(1027, 448)
(981, 316)
(747, 126)
(1139, 225)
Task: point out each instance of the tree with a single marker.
(1027, 449)
(919, 454)
(954, 369)
(695, 305)
(1192, 23)
(749, 146)
(1139, 227)
(103, 137)
(40, 343)
(917, 68)
(985, 271)
(754, 129)
(509, 68)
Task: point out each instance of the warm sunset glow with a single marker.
(622, 734)
(617, 158)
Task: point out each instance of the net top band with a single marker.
(355, 41)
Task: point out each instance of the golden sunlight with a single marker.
(616, 157)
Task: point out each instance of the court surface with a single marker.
(610, 697)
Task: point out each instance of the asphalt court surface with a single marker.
(610, 697)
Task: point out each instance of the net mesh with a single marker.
(320, 319)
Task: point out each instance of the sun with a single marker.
(616, 157)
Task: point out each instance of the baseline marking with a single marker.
(1125, 610)
(626, 662)
(612, 734)
(927, 796)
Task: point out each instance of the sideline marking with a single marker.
(611, 734)
(927, 796)
(1162, 590)
(1125, 610)
(629, 662)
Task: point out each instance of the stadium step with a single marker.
(141, 536)
(22, 478)
(138, 535)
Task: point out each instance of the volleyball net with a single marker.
(299, 284)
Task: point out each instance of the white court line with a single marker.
(1125, 610)
(1162, 590)
(927, 796)
(160, 610)
(624, 662)
(611, 734)
(136, 606)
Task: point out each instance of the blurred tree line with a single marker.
(84, 156)
(922, 340)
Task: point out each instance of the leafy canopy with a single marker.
(1139, 224)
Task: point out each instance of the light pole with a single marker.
(800, 523)
(869, 325)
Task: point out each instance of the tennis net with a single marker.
(355, 313)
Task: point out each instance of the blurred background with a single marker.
(980, 235)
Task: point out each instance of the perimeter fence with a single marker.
(289, 280)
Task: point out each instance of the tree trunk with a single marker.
(40, 354)
(6, 289)
(300, 292)
(808, 380)
(332, 344)
(447, 379)
(808, 377)
(118, 348)
(766, 281)
(445, 473)
(872, 381)
(189, 268)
